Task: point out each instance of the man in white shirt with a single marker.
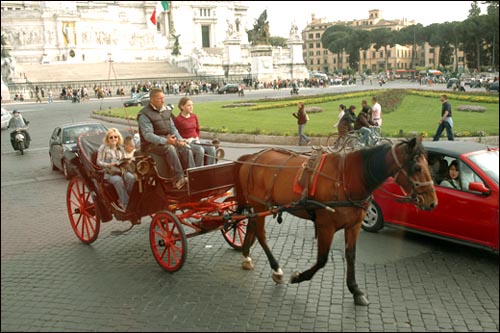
(376, 112)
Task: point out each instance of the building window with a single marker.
(374, 55)
(205, 36)
(204, 12)
(318, 45)
(318, 53)
(311, 36)
(431, 50)
(388, 54)
(318, 61)
(318, 35)
(460, 59)
(325, 52)
(311, 62)
(311, 53)
(311, 45)
(431, 61)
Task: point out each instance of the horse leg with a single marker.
(351, 235)
(247, 244)
(325, 236)
(260, 232)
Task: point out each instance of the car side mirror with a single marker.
(479, 187)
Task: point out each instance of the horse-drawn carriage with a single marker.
(205, 204)
(332, 190)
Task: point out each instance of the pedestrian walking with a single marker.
(302, 119)
(446, 121)
(49, 96)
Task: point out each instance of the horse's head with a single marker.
(412, 173)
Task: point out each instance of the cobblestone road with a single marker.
(52, 282)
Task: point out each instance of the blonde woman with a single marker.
(109, 155)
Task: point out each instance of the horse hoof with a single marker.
(361, 300)
(295, 278)
(279, 278)
(247, 265)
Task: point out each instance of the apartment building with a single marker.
(399, 57)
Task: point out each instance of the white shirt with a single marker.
(377, 114)
(341, 114)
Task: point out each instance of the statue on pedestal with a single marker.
(259, 35)
(176, 50)
(294, 31)
(8, 67)
(230, 29)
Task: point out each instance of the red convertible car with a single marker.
(466, 212)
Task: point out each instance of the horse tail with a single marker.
(238, 189)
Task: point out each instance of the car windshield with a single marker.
(70, 134)
(488, 162)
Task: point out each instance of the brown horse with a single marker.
(337, 192)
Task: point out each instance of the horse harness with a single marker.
(308, 174)
(414, 196)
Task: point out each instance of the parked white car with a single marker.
(6, 115)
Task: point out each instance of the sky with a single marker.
(281, 14)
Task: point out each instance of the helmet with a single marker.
(16, 111)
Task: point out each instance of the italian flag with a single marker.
(160, 7)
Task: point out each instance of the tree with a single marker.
(335, 40)
(277, 41)
(383, 38)
(338, 39)
(473, 40)
(474, 10)
(412, 35)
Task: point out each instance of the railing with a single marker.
(28, 88)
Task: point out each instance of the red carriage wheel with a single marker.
(82, 211)
(168, 241)
(235, 235)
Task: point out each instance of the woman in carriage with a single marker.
(109, 156)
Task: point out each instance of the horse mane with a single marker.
(375, 166)
(375, 169)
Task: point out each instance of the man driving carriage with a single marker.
(160, 136)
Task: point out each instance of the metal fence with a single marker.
(27, 89)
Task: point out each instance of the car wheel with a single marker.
(52, 162)
(139, 104)
(65, 170)
(373, 221)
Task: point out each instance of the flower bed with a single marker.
(471, 108)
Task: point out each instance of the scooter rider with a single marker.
(18, 121)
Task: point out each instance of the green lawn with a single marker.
(415, 114)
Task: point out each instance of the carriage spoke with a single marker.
(168, 241)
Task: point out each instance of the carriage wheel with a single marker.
(82, 211)
(235, 235)
(168, 241)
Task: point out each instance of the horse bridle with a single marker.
(414, 196)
